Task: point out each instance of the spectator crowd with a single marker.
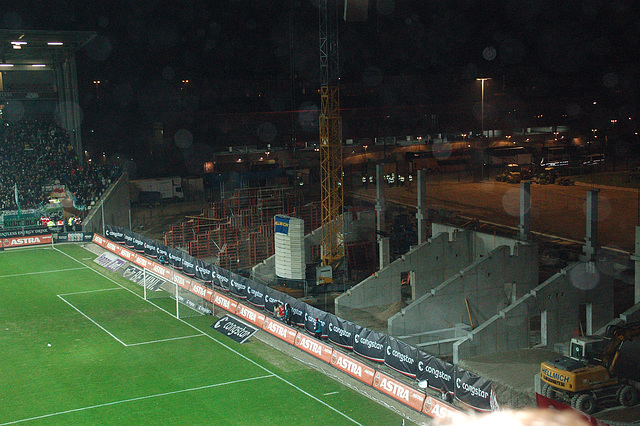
(35, 154)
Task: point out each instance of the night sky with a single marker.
(144, 49)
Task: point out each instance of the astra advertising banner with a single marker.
(314, 347)
(280, 330)
(234, 329)
(353, 367)
(445, 413)
(340, 332)
(437, 373)
(254, 317)
(370, 344)
(237, 285)
(401, 357)
(474, 391)
(224, 302)
(399, 391)
(281, 225)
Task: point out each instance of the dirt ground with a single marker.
(555, 210)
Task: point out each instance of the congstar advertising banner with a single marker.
(401, 357)
(340, 332)
(221, 278)
(370, 344)
(439, 374)
(474, 391)
(114, 233)
(237, 285)
(203, 271)
(175, 258)
(311, 313)
(255, 294)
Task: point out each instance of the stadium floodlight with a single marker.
(186, 304)
(55, 43)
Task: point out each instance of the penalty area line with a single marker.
(41, 272)
(140, 398)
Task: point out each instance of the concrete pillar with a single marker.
(589, 319)
(383, 240)
(412, 283)
(383, 250)
(544, 328)
(421, 207)
(525, 210)
(591, 239)
(380, 200)
(636, 258)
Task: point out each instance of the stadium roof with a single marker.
(24, 47)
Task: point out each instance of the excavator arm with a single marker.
(618, 334)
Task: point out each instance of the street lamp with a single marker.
(97, 84)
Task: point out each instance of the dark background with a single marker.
(551, 63)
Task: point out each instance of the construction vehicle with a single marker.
(588, 377)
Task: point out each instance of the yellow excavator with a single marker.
(588, 377)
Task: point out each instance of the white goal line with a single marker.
(41, 272)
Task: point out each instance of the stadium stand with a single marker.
(36, 155)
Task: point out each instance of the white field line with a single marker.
(225, 346)
(90, 291)
(40, 272)
(166, 340)
(140, 398)
(95, 323)
(111, 334)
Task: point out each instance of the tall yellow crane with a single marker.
(331, 173)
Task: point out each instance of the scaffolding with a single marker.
(237, 232)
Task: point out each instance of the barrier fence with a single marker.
(257, 303)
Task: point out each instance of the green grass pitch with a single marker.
(79, 345)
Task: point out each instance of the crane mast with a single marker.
(330, 123)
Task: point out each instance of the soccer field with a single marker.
(80, 345)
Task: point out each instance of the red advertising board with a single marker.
(26, 241)
(442, 411)
(399, 391)
(279, 330)
(551, 404)
(224, 302)
(248, 314)
(313, 347)
(353, 368)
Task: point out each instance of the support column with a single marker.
(380, 200)
(525, 210)
(383, 239)
(636, 258)
(591, 239)
(421, 207)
